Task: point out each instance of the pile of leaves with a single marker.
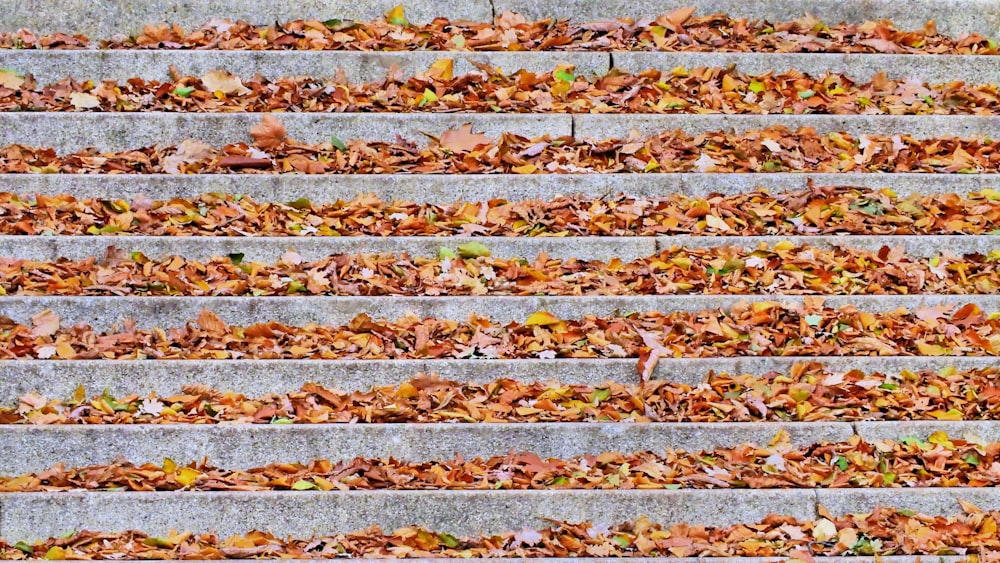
(681, 90)
(461, 151)
(937, 462)
(679, 30)
(814, 211)
(782, 269)
(806, 393)
(761, 328)
(886, 531)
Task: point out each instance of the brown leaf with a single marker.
(45, 323)
(270, 133)
(463, 139)
(210, 322)
(244, 162)
(680, 15)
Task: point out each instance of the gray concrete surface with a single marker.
(932, 501)
(952, 16)
(270, 249)
(32, 516)
(102, 312)
(365, 66)
(91, 17)
(359, 66)
(435, 188)
(125, 131)
(587, 126)
(974, 69)
(988, 430)
(244, 446)
(166, 377)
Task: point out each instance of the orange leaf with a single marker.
(210, 322)
(269, 133)
(463, 139)
(45, 323)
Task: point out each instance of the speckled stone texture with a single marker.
(270, 249)
(27, 517)
(247, 446)
(437, 188)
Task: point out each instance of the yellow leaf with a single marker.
(83, 100)
(80, 395)
(952, 414)
(187, 475)
(55, 552)
(396, 16)
(784, 245)
(526, 169)
(169, 465)
(407, 391)
(941, 438)
(542, 318)
(931, 349)
(682, 261)
(442, 69)
(651, 165)
(761, 306)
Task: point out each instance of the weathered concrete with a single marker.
(359, 66)
(102, 312)
(245, 446)
(439, 188)
(104, 18)
(125, 131)
(33, 516)
(931, 501)
(974, 69)
(270, 249)
(592, 126)
(952, 16)
(365, 66)
(166, 377)
(987, 430)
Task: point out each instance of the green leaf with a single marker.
(448, 539)
(282, 421)
(303, 485)
(473, 250)
(842, 463)
(806, 94)
(429, 97)
(184, 91)
(888, 478)
(445, 252)
(301, 203)
(338, 144)
(672, 486)
(236, 258)
(813, 320)
(296, 287)
(600, 395)
(756, 86)
(564, 75)
(24, 547)
(971, 458)
(772, 166)
(907, 513)
(622, 541)
(339, 25)
(559, 481)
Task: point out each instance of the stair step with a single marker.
(243, 446)
(72, 131)
(952, 16)
(260, 377)
(167, 311)
(442, 189)
(35, 516)
(82, 16)
(359, 66)
(367, 66)
(270, 249)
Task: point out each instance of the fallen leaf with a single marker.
(270, 133)
(83, 100)
(10, 79)
(463, 139)
(222, 81)
(45, 323)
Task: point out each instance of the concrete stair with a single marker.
(33, 516)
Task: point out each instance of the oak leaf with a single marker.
(222, 81)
